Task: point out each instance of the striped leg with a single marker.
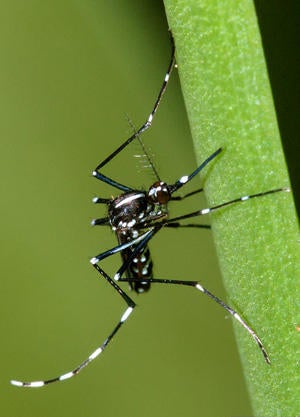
(142, 129)
(140, 241)
(227, 203)
(230, 310)
(173, 222)
(130, 306)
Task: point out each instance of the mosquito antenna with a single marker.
(146, 153)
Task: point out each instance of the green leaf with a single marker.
(229, 104)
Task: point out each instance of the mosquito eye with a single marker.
(159, 193)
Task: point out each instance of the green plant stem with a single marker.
(229, 104)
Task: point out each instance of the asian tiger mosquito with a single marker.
(136, 216)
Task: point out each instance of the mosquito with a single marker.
(136, 216)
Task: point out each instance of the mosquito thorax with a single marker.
(128, 209)
(159, 193)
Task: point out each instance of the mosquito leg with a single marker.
(98, 200)
(100, 222)
(187, 178)
(175, 225)
(142, 129)
(130, 306)
(174, 222)
(136, 251)
(230, 310)
(227, 203)
(144, 237)
(179, 198)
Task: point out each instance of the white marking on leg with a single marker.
(95, 354)
(93, 261)
(199, 287)
(205, 211)
(16, 383)
(117, 277)
(184, 179)
(126, 314)
(246, 197)
(239, 319)
(167, 77)
(66, 376)
(36, 384)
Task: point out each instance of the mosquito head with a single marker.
(159, 193)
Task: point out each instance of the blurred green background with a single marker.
(70, 72)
